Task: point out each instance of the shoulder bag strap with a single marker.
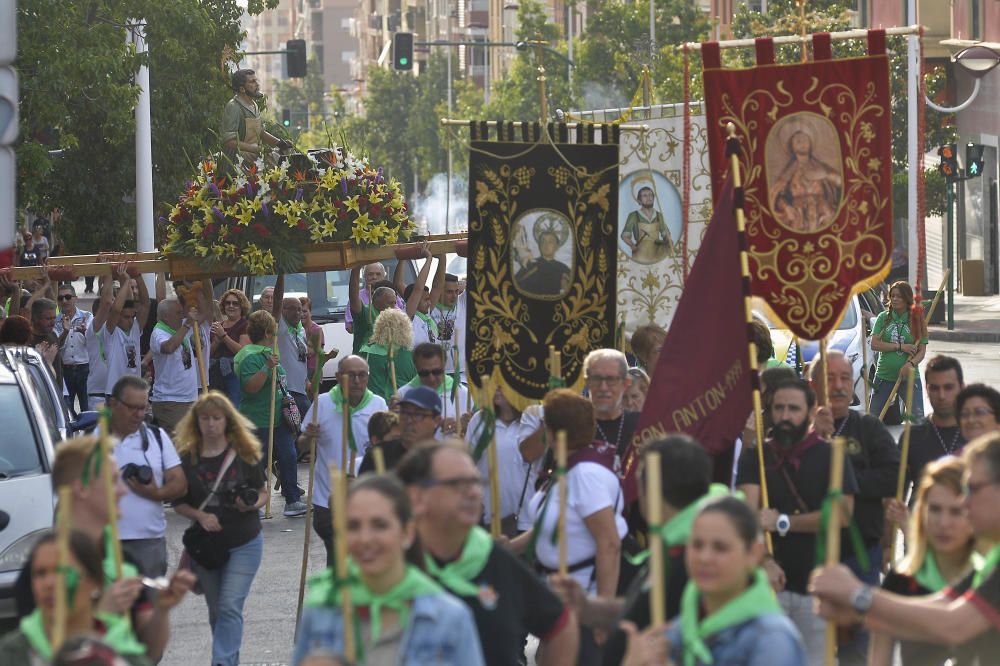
(795, 493)
(230, 456)
(524, 489)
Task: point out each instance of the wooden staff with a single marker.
(270, 430)
(822, 387)
(345, 427)
(379, 459)
(494, 487)
(309, 511)
(338, 496)
(198, 351)
(833, 535)
(62, 547)
(765, 501)
(864, 368)
(927, 319)
(904, 451)
(392, 368)
(458, 405)
(654, 505)
(107, 478)
(561, 480)
(555, 362)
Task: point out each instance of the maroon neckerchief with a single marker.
(598, 451)
(792, 456)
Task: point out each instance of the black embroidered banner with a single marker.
(542, 249)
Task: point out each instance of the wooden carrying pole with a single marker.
(309, 508)
(494, 487)
(654, 506)
(561, 480)
(833, 535)
(904, 454)
(765, 502)
(927, 318)
(799, 39)
(62, 548)
(338, 497)
(345, 426)
(270, 430)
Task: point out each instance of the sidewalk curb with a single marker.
(963, 336)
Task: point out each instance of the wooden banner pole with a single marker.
(62, 549)
(563, 491)
(833, 535)
(309, 510)
(494, 488)
(345, 426)
(654, 505)
(904, 454)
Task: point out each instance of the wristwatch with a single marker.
(861, 600)
(783, 524)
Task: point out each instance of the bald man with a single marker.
(373, 274)
(362, 404)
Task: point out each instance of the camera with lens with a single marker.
(143, 474)
(248, 495)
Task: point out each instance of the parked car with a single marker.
(852, 337)
(328, 293)
(30, 430)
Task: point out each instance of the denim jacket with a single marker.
(441, 632)
(768, 640)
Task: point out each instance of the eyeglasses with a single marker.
(597, 380)
(356, 376)
(978, 412)
(971, 489)
(133, 408)
(234, 304)
(413, 414)
(462, 484)
(437, 372)
(65, 297)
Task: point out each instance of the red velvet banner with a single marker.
(816, 163)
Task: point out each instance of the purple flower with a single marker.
(343, 185)
(264, 209)
(378, 176)
(162, 220)
(298, 194)
(215, 189)
(218, 214)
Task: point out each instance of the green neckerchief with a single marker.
(456, 576)
(446, 385)
(372, 348)
(297, 329)
(826, 514)
(929, 576)
(757, 600)
(429, 320)
(117, 635)
(324, 591)
(247, 350)
(163, 327)
(338, 401)
(675, 532)
(989, 565)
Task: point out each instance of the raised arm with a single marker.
(437, 287)
(279, 295)
(417, 294)
(354, 291)
(124, 294)
(142, 307)
(105, 296)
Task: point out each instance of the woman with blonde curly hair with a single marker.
(228, 337)
(214, 442)
(392, 336)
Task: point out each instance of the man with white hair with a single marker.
(365, 314)
(373, 274)
(172, 346)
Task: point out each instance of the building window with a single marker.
(318, 55)
(346, 23)
(976, 19)
(317, 26)
(347, 56)
(282, 20)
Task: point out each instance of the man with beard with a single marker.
(875, 459)
(797, 468)
(242, 128)
(937, 435)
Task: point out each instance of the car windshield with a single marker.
(19, 454)
(847, 322)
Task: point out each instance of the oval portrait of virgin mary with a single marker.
(804, 170)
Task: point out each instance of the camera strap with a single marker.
(226, 462)
(145, 444)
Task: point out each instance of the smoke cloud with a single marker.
(431, 207)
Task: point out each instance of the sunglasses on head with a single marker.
(437, 372)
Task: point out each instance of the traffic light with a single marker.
(973, 159)
(296, 58)
(402, 51)
(949, 160)
(286, 117)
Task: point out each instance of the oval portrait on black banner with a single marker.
(805, 173)
(541, 254)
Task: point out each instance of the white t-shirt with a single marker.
(140, 518)
(176, 372)
(97, 374)
(74, 351)
(294, 351)
(590, 488)
(328, 444)
(422, 332)
(122, 351)
(445, 320)
(461, 308)
(512, 470)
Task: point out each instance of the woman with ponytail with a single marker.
(402, 616)
(899, 335)
(941, 553)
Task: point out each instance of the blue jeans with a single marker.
(883, 387)
(226, 590)
(231, 387)
(284, 455)
(853, 651)
(75, 377)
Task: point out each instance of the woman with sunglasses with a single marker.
(941, 553)
(401, 615)
(228, 337)
(978, 409)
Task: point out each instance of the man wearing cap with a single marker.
(419, 418)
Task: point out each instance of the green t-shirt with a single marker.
(363, 325)
(257, 406)
(379, 379)
(892, 328)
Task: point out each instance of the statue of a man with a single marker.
(242, 129)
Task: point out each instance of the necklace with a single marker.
(842, 424)
(621, 428)
(948, 449)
